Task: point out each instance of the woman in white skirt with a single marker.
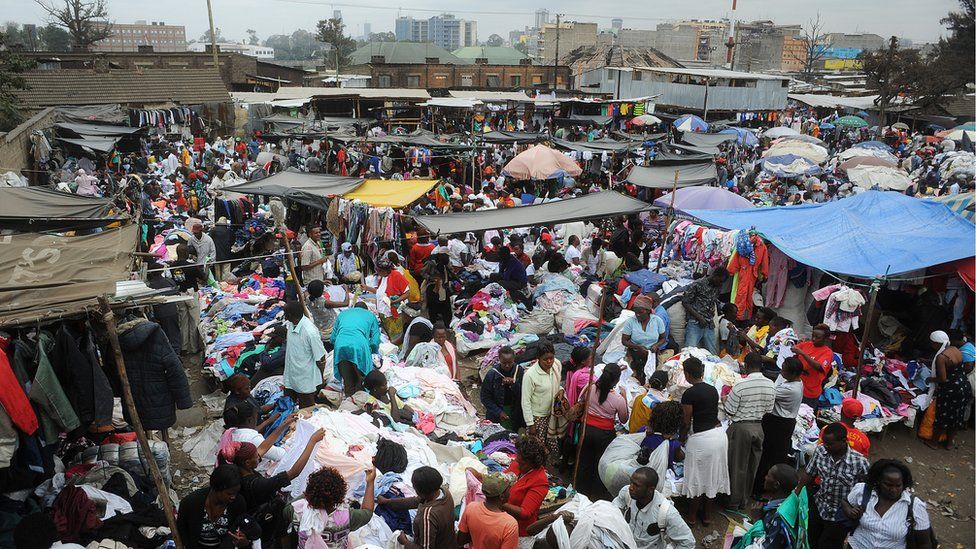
(707, 447)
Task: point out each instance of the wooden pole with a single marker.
(108, 317)
(667, 222)
(875, 285)
(291, 267)
(596, 345)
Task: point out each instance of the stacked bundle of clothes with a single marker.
(492, 318)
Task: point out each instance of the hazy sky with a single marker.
(914, 19)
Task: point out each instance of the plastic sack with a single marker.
(619, 461)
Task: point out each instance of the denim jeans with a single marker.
(698, 336)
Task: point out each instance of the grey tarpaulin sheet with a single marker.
(597, 146)
(707, 139)
(310, 189)
(43, 208)
(96, 130)
(97, 144)
(662, 177)
(591, 206)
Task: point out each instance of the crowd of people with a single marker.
(701, 387)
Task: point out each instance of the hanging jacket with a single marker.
(12, 397)
(76, 363)
(155, 373)
(46, 391)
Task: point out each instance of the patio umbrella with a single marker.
(780, 131)
(867, 151)
(862, 114)
(801, 137)
(691, 123)
(827, 126)
(540, 162)
(970, 126)
(872, 145)
(704, 198)
(814, 153)
(956, 135)
(851, 122)
(866, 161)
(900, 126)
(790, 165)
(745, 136)
(645, 120)
(883, 177)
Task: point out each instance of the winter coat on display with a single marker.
(156, 375)
(77, 365)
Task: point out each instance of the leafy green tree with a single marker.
(12, 69)
(332, 31)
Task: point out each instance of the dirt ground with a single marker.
(946, 480)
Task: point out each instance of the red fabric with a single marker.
(79, 470)
(621, 286)
(119, 438)
(199, 144)
(813, 379)
(527, 493)
(749, 274)
(12, 396)
(74, 514)
(600, 422)
(418, 254)
(396, 285)
(846, 346)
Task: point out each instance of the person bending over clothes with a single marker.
(355, 337)
(661, 446)
(323, 517)
(777, 485)
(381, 401)
(215, 515)
(240, 424)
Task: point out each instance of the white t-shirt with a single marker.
(572, 254)
(455, 249)
(275, 453)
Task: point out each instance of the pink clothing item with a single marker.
(615, 406)
(575, 383)
(474, 489)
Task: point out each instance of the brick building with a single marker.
(239, 72)
(130, 37)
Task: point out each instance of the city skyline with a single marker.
(914, 20)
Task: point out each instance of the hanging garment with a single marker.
(13, 399)
(57, 415)
(779, 268)
(748, 274)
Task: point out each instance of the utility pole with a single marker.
(213, 38)
(555, 61)
(730, 44)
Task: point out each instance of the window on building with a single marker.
(536, 79)
(611, 75)
(467, 80)
(516, 80)
(413, 80)
(636, 76)
(493, 81)
(384, 81)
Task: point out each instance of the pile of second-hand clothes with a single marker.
(492, 318)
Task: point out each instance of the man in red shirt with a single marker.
(851, 410)
(419, 253)
(817, 357)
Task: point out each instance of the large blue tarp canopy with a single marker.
(869, 234)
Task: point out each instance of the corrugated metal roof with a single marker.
(290, 93)
(496, 55)
(491, 96)
(715, 73)
(88, 87)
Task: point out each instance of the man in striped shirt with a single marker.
(747, 402)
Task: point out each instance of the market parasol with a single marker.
(851, 122)
(814, 153)
(691, 123)
(827, 126)
(900, 126)
(780, 131)
(802, 137)
(540, 162)
(645, 120)
(704, 198)
(866, 161)
(867, 151)
(790, 165)
(872, 145)
(956, 134)
(970, 126)
(745, 136)
(883, 177)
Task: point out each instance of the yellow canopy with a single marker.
(391, 193)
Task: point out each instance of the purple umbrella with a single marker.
(704, 198)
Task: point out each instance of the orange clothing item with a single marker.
(749, 275)
(813, 379)
(856, 439)
(489, 528)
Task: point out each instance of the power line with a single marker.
(466, 12)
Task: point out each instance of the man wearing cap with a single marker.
(642, 506)
(486, 525)
(851, 410)
(348, 266)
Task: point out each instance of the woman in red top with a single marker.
(817, 357)
(395, 286)
(526, 495)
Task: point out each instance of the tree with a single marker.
(332, 31)
(381, 37)
(252, 37)
(298, 46)
(949, 67)
(205, 37)
(522, 47)
(54, 38)
(85, 20)
(12, 68)
(815, 46)
(891, 71)
(494, 41)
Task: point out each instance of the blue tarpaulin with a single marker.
(866, 235)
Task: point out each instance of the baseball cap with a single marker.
(851, 407)
(346, 247)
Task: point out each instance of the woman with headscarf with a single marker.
(953, 391)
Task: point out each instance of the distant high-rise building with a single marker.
(445, 30)
(616, 24)
(159, 35)
(367, 30)
(541, 18)
(337, 14)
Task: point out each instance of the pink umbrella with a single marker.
(866, 161)
(540, 162)
(704, 198)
